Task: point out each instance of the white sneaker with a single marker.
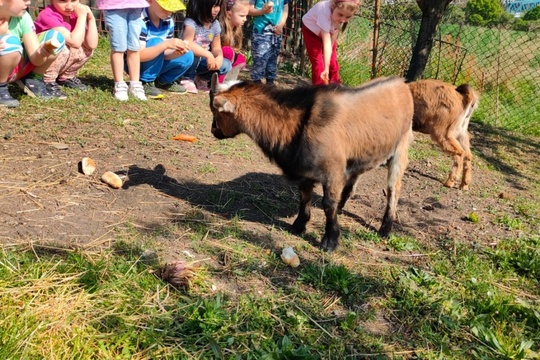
(136, 89)
(121, 91)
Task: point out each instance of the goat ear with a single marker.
(222, 104)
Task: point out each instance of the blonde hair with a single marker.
(231, 35)
(347, 5)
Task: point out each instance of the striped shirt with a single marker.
(150, 31)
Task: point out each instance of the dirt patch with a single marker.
(45, 198)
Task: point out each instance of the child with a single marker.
(164, 59)
(320, 29)
(21, 53)
(123, 19)
(233, 17)
(202, 31)
(77, 24)
(269, 20)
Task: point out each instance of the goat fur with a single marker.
(443, 111)
(324, 134)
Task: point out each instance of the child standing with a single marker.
(123, 20)
(164, 59)
(233, 17)
(320, 29)
(21, 53)
(268, 23)
(202, 31)
(77, 24)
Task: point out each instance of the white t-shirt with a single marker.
(319, 18)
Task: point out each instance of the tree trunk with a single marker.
(432, 13)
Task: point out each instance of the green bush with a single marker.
(490, 11)
(477, 20)
(533, 14)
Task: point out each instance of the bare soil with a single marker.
(44, 197)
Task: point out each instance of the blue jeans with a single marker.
(265, 49)
(165, 71)
(200, 67)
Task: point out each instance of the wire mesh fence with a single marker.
(502, 63)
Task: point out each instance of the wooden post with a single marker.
(376, 26)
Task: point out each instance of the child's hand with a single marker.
(44, 50)
(82, 10)
(278, 30)
(211, 63)
(325, 77)
(267, 8)
(179, 45)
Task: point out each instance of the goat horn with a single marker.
(214, 83)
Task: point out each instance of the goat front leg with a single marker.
(331, 235)
(304, 212)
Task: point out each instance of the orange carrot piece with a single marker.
(183, 137)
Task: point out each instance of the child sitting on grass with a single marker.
(202, 31)
(21, 53)
(77, 24)
(164, 59)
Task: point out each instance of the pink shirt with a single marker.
(121, 4)
(49, 18)
(319, 18)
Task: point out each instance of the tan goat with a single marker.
(325, 135)
(443, 111)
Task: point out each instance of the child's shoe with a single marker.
(136, 90)
(55, 91)
(73, 83)
(33, 86)
(121, 91)
(151, 91)
(189, 85)
(174, 87)
(6, 99)
(202, 84)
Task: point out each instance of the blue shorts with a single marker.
(124, 27)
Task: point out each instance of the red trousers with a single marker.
(314, 47)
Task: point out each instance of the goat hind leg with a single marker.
(347, 191)
(304, 212)
(467, 163)
(452, 146)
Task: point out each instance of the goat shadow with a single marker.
(256, 197)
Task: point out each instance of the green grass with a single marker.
(396, 298)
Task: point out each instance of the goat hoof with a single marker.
(384, 232)
(464, 187)
(449, 184)
(297, 229)
(329, 245)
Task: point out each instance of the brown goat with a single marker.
(443, 111)
(328, 135)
